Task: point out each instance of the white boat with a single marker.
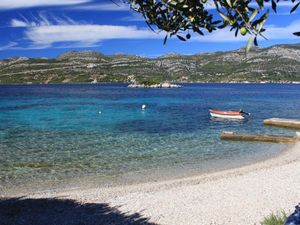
(228, 114)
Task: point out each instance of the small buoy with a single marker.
(99, 112)
(143, 106)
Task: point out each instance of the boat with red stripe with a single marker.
(228, 114)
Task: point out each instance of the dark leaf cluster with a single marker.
(181, 17)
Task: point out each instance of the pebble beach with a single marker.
(237, 196)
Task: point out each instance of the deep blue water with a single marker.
(57, 132)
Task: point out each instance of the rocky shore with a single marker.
(160, 85)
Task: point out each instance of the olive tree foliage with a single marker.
(180, 17)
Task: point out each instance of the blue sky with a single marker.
(47, 28)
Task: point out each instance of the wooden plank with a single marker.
(281, 122)
(264, 138)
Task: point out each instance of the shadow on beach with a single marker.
(51, 211)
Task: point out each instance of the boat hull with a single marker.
(226, 114)
(240, 117)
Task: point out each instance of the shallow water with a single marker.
(53, 133)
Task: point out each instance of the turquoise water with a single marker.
(55, 133)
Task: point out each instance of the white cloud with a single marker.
(90, 35)
(41, 20)
(15, 4)
(18, 23)
(103, 7)
(134, 17)
(47, 30)
(59, 32)
(10, 45)
(49, 35)
(284, 33)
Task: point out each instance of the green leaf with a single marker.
(216, 22)
(255, 41)
(224, 17)
(229, 3)
(249, 44)
(235, 2)
(165, 40)
(261, 25)
(254, 13)
(198, 31)
(180, 38)
(274, 6)
(260, 3)
(295, 7)
(236, 32)
(296, 33)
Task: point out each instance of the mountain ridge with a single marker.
(278, 63)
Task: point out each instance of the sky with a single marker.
(48, 28)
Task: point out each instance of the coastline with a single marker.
(243, 195)
(173, 82)
(237, 195)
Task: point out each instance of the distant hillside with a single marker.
(280, 63)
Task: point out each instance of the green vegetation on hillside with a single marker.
(274, 64)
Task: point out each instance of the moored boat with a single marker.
(228, 114)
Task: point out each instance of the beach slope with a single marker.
(237, 196)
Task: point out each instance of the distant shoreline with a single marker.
(127, 83)
(275, 64)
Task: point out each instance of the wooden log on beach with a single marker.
(264, 138)
(280, 122)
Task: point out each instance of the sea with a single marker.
(94, 135)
